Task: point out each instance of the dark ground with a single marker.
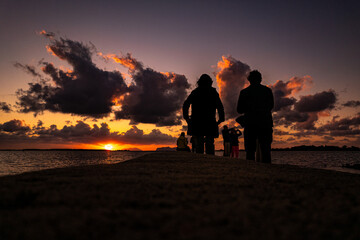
(181, 196)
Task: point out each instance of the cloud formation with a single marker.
(5, 107)
(153, 97)
(318, 102)
(14, 126)
(16, 131)
(342, 127)
(284, 91)
(86, 90)
(352, 103)
(301, 113)
(28, 69)
(231, 78)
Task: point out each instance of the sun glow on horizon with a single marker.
(109, 147)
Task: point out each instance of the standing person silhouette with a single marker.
(256, 103)
(204, 101)
(226, 137)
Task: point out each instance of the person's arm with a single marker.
(186, 107)
(220, 109)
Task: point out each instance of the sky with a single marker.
(80, 74)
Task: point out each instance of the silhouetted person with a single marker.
(182, 143)
(204, 101)
(234, 141)
(256, 102)
(226, 138)
(193, 144)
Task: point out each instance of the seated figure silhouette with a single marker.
(182, 143)
(202, 124)
(256, 103)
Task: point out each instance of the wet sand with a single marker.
(181, 196)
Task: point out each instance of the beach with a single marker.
(177, 195)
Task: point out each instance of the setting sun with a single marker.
(108, 147)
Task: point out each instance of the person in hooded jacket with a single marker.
(204, 102)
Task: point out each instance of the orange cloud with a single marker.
(231, 78)
(49, 50)
(127, 61)
(49, 35)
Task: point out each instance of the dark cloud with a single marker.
(46, 34)
(86, 90)
(328, 138)
(278, 132)
(291, 116)
(5, 107)
(304, 113)
(318, 102)
(351, 103)
(17, 131)
(137, 136)
(153, 97)
(298, 120)
(231, 78)
(283, 91)
(28, 69)
(14, 126)
(342, 126)
(309, 123)
(282, 102)
(341, 133)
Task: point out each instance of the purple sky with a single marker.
(282, 39)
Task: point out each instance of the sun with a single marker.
(108, 147)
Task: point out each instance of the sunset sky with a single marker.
(116, 73)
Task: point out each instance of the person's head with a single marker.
(255, 77)
(204, 81)
(182, 134)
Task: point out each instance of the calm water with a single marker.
(15, 162)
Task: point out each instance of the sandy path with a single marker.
(181, 196)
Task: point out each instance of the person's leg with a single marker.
(193, 144)
(250, 143)
(227, 149)
(209, 145)
(265, 139)
(228, 146)
(236, 150)
(200, 144)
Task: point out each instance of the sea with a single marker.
(16, 162)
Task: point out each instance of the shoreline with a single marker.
(345, 169)
(180, 196)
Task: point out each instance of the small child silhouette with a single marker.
(234, 142)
